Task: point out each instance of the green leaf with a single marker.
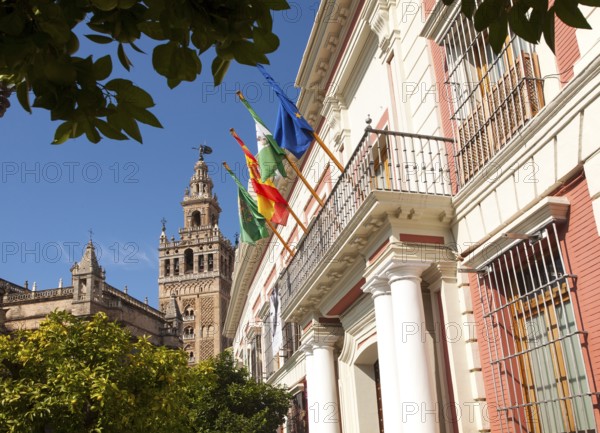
(108, 131)
(172, 83)
(63, 132)
(265, 41)
(498, 32)
(548, 29)
(144, 116)
(105, 5)
(99, 39)
(153, 30)
(136, 48)
(246, 53)
(276, 5)
(126, 4)
(219, 69)
(569, 13)
(528, 29)
(102, 68)
(124, 120)
(13, 23)
(23, 96)
(488, 12)
(467, 7)
(176, 62)
(123, 57)
(60, 72)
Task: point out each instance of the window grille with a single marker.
(538, 372)
(297, 419)
(491, 96)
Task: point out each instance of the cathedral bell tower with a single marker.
(196, 269)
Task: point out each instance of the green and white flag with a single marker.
(253, 226)
(270, 156)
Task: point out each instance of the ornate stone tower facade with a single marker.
(197, 268)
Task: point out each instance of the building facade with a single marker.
(448, 284)
(196, 269)
(88, 294)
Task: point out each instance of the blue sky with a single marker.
(51, 196)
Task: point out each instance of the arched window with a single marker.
(167, 263)
(210, 332)
(176, 267)
(188, 332)
(196, 218)
(188, 313)
(188, 257)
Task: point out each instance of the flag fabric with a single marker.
(271, 204)
(270, 156)
(252, 224)
(292, 131)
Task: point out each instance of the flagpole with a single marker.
(284, 243)
(328, 152)
(303, 179)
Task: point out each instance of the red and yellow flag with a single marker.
(271, 203)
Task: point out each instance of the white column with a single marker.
(417, 402)
(321, 382)
(325, 384)
(311, 394)
(379, 288)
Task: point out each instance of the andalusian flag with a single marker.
(252, 224)
(270, 156)
(292, 131)
(271, 203)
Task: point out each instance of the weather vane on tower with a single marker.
(203, 149)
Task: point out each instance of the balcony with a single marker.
(386, 166)
(491, 96)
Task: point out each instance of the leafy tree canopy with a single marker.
(89, 376)
(529, 19)
(38, 48)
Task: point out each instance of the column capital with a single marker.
(398, 269)
(321, 335)
(377, 286)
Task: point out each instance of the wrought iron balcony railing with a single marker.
(491, 96)
(383, 161)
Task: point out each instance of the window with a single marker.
(188, 313)
(537, 366)
(210, 262)
(196, 218)
(297, 421)
(291, 338)
(201, 263)
(188, 261)
(491, 96)
(188, 333)
(167, 265)
(256, 358)
(176, 267)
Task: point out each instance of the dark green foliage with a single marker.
(38, 47)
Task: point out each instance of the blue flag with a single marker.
(292, 131)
